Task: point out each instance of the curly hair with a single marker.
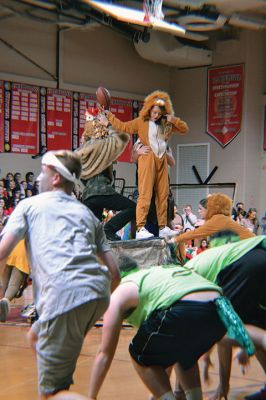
(218, 203)
(157, 98)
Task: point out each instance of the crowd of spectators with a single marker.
(13, 189)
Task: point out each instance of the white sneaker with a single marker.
(143, 234)
(166, 231)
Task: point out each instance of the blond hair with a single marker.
(72, 162)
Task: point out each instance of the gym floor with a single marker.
(18, 377)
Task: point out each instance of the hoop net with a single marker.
(153, 10)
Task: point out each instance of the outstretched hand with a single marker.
(243, 359)
(143, 150)
(102, 109)
(170, 118)
(102, 119)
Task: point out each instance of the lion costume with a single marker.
(152, 168)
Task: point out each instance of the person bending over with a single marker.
(217, 218)
(239, 268)
(164, 302)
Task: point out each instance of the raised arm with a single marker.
(130, 127)
(123, 299)
(178, 125)
(203, 231)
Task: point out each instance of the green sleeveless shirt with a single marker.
(160, 287)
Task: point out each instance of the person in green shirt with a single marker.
(239, 268)
(176, 311)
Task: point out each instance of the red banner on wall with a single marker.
(264, 144)
(2, 110)
(59, 119)
(24, 122)
(225, 95)
(86, 101)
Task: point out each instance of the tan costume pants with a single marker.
(152, 174)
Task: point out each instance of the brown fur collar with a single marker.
(98, 154)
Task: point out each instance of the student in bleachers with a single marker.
(202, 211)
(29, 179)
(203, 246)
(251, 221)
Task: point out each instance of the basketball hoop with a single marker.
(153, 10)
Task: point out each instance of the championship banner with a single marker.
(59, 119)
(122, 109)
(264, 144)
(225, 95)
(2, 110)
(24, 121)
(86, 102)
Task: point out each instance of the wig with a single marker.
(218, 203)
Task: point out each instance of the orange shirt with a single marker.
(218, 222)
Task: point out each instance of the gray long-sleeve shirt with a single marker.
(62, 239)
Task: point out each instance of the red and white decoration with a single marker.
(225, 96)
(24, 122)
(2, 116)
(59, 119)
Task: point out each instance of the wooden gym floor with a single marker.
(18, 375)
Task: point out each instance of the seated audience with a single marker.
(189, 219)
(250, 221)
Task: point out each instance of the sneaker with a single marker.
(4, 309)
(166, 231)
(260, 395)
(28, 310)
(143, 233)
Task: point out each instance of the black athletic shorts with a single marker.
(182, 333)
(244, 284)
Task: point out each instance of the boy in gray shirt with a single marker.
(71, 288)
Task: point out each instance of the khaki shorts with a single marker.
(59, 344)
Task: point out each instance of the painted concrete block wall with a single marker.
(240, 161)
(99, 56)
